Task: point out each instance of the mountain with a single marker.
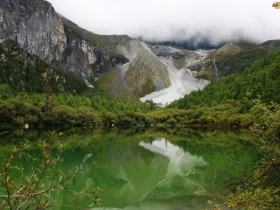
(119, 65)
(36, 27)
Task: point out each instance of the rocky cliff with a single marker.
(88, 55)
(35, 26)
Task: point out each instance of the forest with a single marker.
(226, 103)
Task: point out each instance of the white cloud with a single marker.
(162, 20)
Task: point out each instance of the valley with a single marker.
(156, 124)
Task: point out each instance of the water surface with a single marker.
(153, 170)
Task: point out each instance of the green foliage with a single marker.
(36, 183)
(260, 190)
(231, 101)
(17, 113)
(68, 110)
(235, 59)
(225, 115)
(5, 91)
(65, 116)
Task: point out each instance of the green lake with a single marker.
(151, 169)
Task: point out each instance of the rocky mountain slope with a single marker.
(36, 27)
(232, 58)
(181, 78)
(121, 66)
(143, 74)
(88, 55)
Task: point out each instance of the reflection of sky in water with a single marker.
(181, 162)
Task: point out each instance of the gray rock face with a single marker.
(34, 25)
(83, 56)
(37, 28)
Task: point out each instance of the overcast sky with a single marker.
(165, 20)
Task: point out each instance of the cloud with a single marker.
(179, 20)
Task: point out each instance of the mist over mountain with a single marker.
(216, 21)
(191, 44)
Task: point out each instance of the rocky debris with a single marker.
(166, 51)
(175, 55)
(182, 80)
(198, 67)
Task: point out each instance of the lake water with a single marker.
(154, 170)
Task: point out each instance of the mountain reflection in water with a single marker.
(181, 162)
(156, 177)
